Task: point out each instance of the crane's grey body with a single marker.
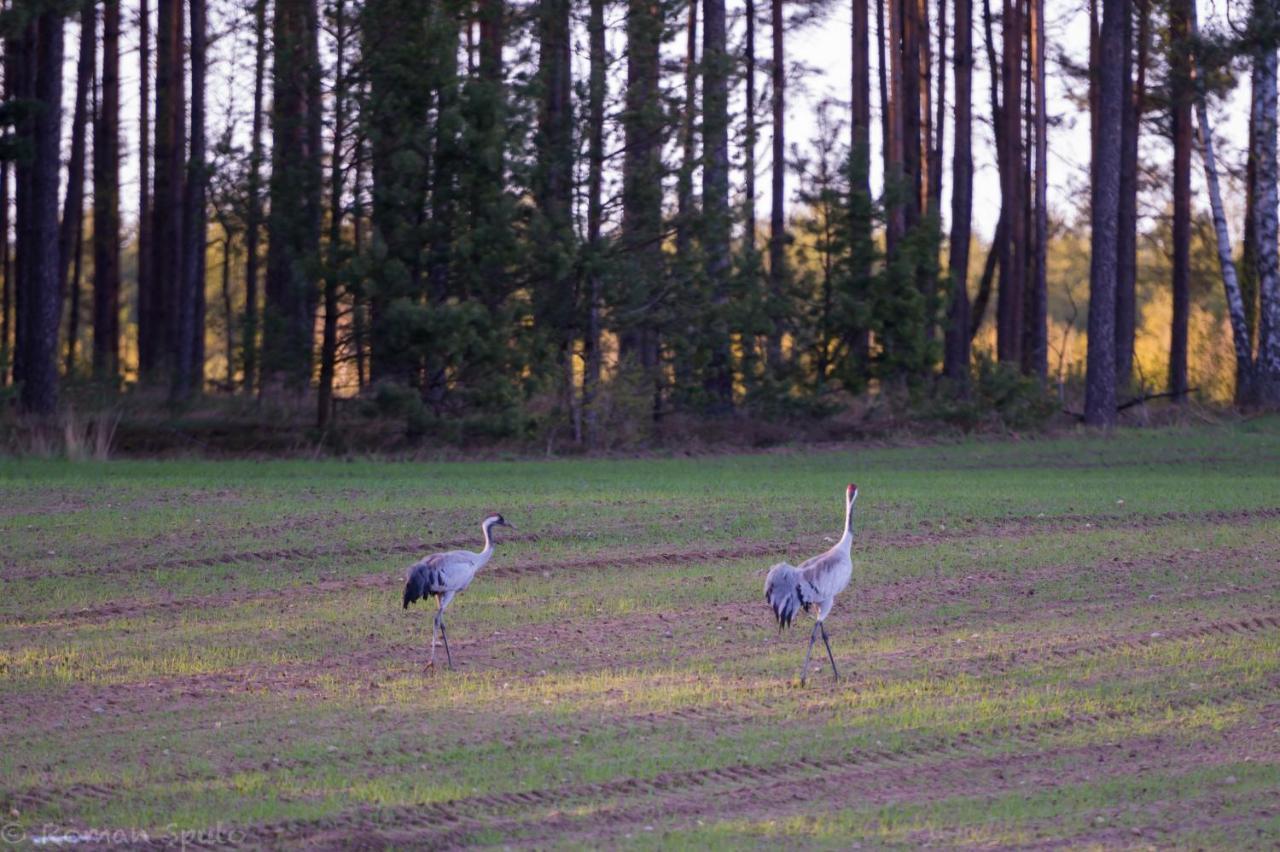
(813, 585)
(446, 574)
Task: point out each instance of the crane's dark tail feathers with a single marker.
(416, 587)
(786, 592)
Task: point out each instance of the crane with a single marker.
(446, 574)
(813, 585)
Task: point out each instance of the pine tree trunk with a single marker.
(956, 361)
(1037, 355)
(106, 204)
(253, 219)
(777, 215)
(688, 137)
(862, 246)
(717, 67)
(167, 199)
(337, 172)
(643, 127)
(293, 224)
(750, 133)
(40, 278)
(939, 126)
(898, 189)
(596, 89)
(188, 361)
(1180, 78)
(146, 301)
(1100, 378)
(1126, 282)
(1266, 374)
(71, 228)
(6, 265)
(1013, 264)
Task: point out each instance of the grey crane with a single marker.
(813, 585)
(446, 574)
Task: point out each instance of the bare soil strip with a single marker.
(1016, 529)
(938, 769)
(743, 713)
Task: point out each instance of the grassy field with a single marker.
(1060, 642)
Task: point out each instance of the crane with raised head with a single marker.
(813, 585)
(445, 575)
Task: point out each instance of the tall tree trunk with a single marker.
(19, 75)
(1182, 97)
(71, 229)
(1240, 334)
(642, 187)
(188, 366)
(940, 122)
(167, 200)
(898, 189)
(862, 246)
(337, 171)
(293, 224)
(6, 267)
(147, 303)
(1036, 356)
(557, 299)
(106, 203)
(750, 132)
(38, 218)
(253, 219)
(717, 66)
(956, 361)
(1126, 281)
(777, 214)
(886, 110)
(359, 320)
(688, 137)
(597, 84)
(1100, 378)
(1266, 375)
(1013, 263)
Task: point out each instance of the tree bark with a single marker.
(1265, 389)
(1037, 356)
(167, 199)
(337, 172)
(750, 133)
(940, 122)
(253, 218)
(1013, 264)
(956, 360)
(778, 189)
(293, 224)
(717, 67)
(147, 303)
(1126, 283)
(38, 219)
(1100, 374)
(71, 228)
(106, 203)
(861, 239)
(597, 85)
(1240, 335)
(1182, 96)
(688, 136)
(188, 358)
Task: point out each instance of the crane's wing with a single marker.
(437, 573)
(824, 575)
(787, 590)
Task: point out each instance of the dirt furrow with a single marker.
(452, 822)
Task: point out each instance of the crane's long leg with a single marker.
(445, 637)
(830, 656)
(813, 637)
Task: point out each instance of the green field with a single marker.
(1051, 642)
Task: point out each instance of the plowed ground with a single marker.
(1061, 643)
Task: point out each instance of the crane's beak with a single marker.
(507, 525)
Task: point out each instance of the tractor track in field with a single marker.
(449, 823)
(657, 556)
(744, 712)
(925, 534)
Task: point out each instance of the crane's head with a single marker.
(851, 493)
(496, 520)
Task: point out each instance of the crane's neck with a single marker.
(846, 540)
(488, 542)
